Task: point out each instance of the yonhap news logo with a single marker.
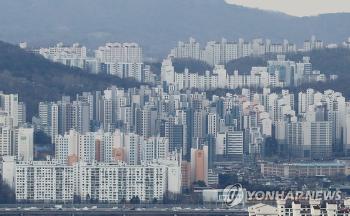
(234, 195)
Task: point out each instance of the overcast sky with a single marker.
(297, 7)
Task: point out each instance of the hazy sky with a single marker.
(297, 7)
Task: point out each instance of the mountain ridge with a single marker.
(156, 24)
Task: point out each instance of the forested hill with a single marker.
(36, 79)
(331, 61)
(328, 61)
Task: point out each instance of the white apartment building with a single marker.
(190, 49)
(310, 139)
(224, 51)
(330, 106)
(213, 123)
(76, 51)
(93, 146)
(24, 144)
(73, 56)
(100, 146)
(120, 59)
(116, 182)
(6, 141)
(155, 148)
(119, 53)
(50, 181)
(22, 113)
(17, 142)
(9, 106)
(48, 117)
(59, 117)
(346, 43)
(44, 181)
(124, 70)
(313, 44)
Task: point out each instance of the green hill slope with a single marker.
(36, 79)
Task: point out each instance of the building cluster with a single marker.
(74, 56)
(346, 43)
(277, 73)
(313, 44)
(162, 140)
(134, 126)
(305, 169)
(320, 128)
(15, 137)
(313, 207)
(109, 147)
(157, 141)
(124, 60)
(225, 51)
(307, 125)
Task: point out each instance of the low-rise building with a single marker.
(303, 207)
(303, 169)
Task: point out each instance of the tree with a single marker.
(41, 139)
(123, 200)
(271, 147)
(193, 65)
(227, 179)
(76, 199)
(7, 195)
(135, 200)
(155, 200)
(199, 183)
(88, 198)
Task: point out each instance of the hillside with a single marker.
(194, 66)
(331, 61)
(155, 24)
(328, 61)
(37, 79)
